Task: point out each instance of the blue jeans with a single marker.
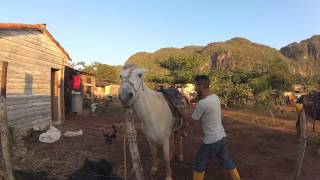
(213, 150)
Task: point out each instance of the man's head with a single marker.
(201, 84)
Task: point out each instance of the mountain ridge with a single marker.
(239, 53)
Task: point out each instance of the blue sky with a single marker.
(110, 31)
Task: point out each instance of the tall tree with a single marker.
(103, 71)
(180, 70)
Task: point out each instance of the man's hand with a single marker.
(187, 119)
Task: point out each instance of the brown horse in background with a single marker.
(311, 105)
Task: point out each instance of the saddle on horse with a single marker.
(176, 103)
(311, 105)
(312, 102)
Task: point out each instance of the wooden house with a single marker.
(35, 75)
(112, 90)
(88, 84)
(100, 88)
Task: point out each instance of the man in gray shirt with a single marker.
(208, 113)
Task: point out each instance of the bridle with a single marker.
(136, 90)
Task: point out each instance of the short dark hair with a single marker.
(203, 79)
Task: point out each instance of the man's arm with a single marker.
(196, 115)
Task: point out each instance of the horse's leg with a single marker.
(180, 156)
(166, 152)
(172, 144)
(155, 160)
(298, 126)
(314, 125)
(177, 146)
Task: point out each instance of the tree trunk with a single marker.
(4, 123)
(133, 145)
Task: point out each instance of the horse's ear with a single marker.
(142, 70)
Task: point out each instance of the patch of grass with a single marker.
(11, 136)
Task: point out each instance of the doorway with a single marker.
(55, 94)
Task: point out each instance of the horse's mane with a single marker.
(129, 66)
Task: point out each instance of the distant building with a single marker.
(298, 88)
(100, 88)
(88, 84)
(112, 89)
(77, 83)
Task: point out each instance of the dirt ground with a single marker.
(262, 149)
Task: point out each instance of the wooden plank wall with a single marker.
(31, 55)
(88, 84)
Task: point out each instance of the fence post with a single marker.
(4, 123)
(302, 144)
(133, 145)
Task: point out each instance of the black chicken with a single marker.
(110, 135)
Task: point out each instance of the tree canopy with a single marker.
(229, 85)
(103, 71)
(180, 70)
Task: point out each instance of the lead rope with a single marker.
(125, 156)
(142, 84)
(131, 134)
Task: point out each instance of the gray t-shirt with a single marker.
(208, 111)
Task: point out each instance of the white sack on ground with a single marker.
(50, 136)
(73, 133)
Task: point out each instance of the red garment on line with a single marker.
(75, 82)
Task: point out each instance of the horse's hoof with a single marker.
(154, 170)
(168, 178)
(180, 158)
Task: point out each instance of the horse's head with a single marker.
(131, 84)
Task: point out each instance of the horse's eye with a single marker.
(140, 74)
(120, 76)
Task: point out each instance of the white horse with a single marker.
(157, 120)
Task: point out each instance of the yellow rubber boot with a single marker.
(198, 175)
(234, 174)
